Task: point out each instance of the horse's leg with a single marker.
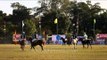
(87, 45)
(69, 43)
(65, 42)
(41, 46)
(90, 45)
(74, 46)
(22, 47)
(32, 47)
(83, 45)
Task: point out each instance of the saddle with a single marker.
(34, 40)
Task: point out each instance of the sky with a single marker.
(5, 5)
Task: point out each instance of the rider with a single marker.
(85, 36)
(22, 42)
(37, 36)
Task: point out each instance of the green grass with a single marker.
(53, 52)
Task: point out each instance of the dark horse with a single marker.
(63, 40)
(35, 43)
(22, 43)
(86, 42)
(68, 42)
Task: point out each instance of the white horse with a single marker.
(75, 41)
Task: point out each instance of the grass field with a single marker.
(53, 52)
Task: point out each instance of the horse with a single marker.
(63, 40)
(66, 41)
(74, 42)
(86, 42)
(22, 44)
(35, 42)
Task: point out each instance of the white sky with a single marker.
(103, 3)
(5, 5)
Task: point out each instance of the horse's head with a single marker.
(62, 39)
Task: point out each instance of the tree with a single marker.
(52, 9)
(30, 27)
(101, 22)
(2, 23)
(20, 13)
(83, 15)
